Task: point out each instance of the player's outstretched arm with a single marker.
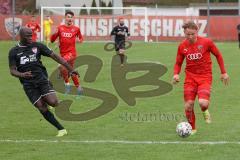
(54, 36)
(214, 50)
(61, 61)
(18, 74)
(177, 67)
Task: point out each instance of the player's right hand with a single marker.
(27, 74)
(175, 79)
(225, 78)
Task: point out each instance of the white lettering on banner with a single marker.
(82, 26)
(110, 25)
(167, 27)
(91, 26)
(203, 25)
(178, 28)
(102, 27)
(126, 23)
(156, 27)
(142, 27)
(134, 27)
(76, 22)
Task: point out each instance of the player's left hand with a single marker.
(225, 78)
(175, 79)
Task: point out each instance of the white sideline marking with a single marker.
(117, 142)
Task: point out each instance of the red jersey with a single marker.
(35, 28)
(67, 38)
(198, 58)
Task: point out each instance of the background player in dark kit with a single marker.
(120, 32)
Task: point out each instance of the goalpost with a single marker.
(96, 23)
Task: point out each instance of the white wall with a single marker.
(77, 3)
(169, 12)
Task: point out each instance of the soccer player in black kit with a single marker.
(25, 63)
(120, 32)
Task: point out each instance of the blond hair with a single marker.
(190, 25)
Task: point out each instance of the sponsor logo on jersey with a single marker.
(185, 50)
(200, 48)
(13, 27)
(194, 56)
(66, 34)
(27, 59)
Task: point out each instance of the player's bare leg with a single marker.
(190, 115)
(42, 103)
(65, 76)
(47, 40)
(76, 80)
(121, 55)
(204, 107)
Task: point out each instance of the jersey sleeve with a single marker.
(114, 31)
(38, 28)
(12, 58)
(44, 50)
(214, 50)
(55, 35)
(179, 61)
(128, 34)
(79, 34)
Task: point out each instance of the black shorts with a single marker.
(119, 45)
(35, 92)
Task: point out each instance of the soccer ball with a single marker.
(184, 129)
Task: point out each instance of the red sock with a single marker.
(190, 115)
(75, 80)
(64, 74)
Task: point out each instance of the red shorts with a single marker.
(69, 57)
(197, 85)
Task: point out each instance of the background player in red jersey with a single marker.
(198, 71)
(35, 28)
(67, 34)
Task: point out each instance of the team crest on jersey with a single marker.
(35, 50)
(13, 28)
(200, 47)
(185, 50)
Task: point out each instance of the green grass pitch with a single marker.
(24, 134)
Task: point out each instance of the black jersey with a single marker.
(123, 29)
(28, 58)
